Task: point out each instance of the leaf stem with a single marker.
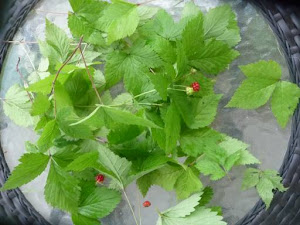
(23, 79)
(57, 13)
(195, 161)
(130, 206)
(144, 3)
(89, 74)
(58, 72)
(177, 85)
(144, 93)
(175, 89)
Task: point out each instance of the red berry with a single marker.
(147, 204)
(100, 178)
(195, 86)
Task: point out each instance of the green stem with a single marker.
(177, 85)
(174, 89)
(144, 93)
(131, 209)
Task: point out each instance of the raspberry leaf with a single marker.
(214, 57)
(172, 128)
(258, 88)
(195, 142)
(217, 20)
(61, 189)
(284, 101)
(99, 203)
(31, 165)
(265, 182)
(189, 215)
(16, 106)
(206, 111)
(84, 161)
(57, 44)
(80, 219)
(40, 105)
(187, 183)
(120, 19)
(125, 117)
(50, 132)
(118, 166)
(185, 207)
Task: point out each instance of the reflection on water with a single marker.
(257, 127)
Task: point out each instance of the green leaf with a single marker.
(231, 37)
(66, 117)
(172, 128)
(133, 65)
(196, 142)
(190, 10)
(232, 145)
(100, 203)
(202, 216)
(213, 57)
(117, 165)
(161, 82)
(170, 174)
(206, 196)
(210, 167)
(50, 132)
(79, 220)
(31, 148)
(206, 111)
(262, 69)
(251, 178)
(187, 184)
(193, 36)
(264, 181)
(125, 117)
(284, 101)
(253, 93)
(84, 161)
(16, 106)
(81, 27)
(44, 86)
(61, 190)
(31, 165)
(265, 191)
(146, 12)
(258, 88)
(164, 49)
(216, 21)
(185, 207)
(40, 105)
(165, 27)
(121, 20)
(57, 40)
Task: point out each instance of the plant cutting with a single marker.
(130, 98)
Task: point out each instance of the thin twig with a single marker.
(29, 42)
(131, 209)
(51, 12)
(139, 204)
(146, 2)
(27, 54)
(20, 42)
(60, 69)
(22, 78)
(89, 74)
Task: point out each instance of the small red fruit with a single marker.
(195, 86)
(147, 204)
(100, 178)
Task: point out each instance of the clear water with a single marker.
(257, 127)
